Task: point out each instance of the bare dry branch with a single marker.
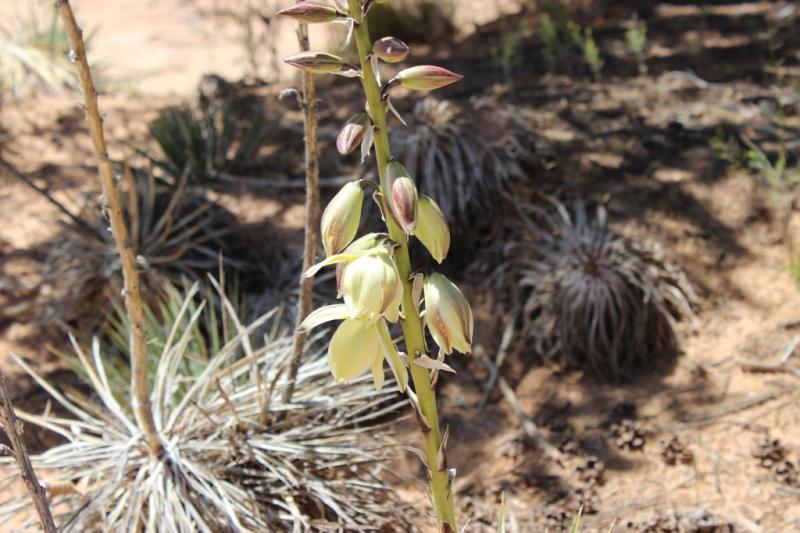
(312, 212)
(528, 425)
(13, 429)
(140, 397)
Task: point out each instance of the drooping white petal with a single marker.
(352, 349)
(334, 259)
(324, 314)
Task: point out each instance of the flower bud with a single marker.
(447, 314)
(341, 218)
(311, 12)
(316, 62)
(404, 203)
(391, 49)
(352, 133)
(431, 228)
(426, 77)
(372, 287)
(395, 169)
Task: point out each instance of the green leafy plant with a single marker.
(636, 37)
(565, 42)
(506, 55)
(590, 298)
(551, 43)
(236, 457)
(728, 148)
(377, 282)
(591, 54)
(223, 137)
(780, 182)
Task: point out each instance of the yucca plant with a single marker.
(589, 297)
(222, 137)
(175, 232)
(376, 281)
(464, 161)
(34, 52)
(235, 456)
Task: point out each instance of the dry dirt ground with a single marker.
(707, 442)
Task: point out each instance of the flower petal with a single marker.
(334, 259)
(377, 373)
(324, 314)
(352, 349)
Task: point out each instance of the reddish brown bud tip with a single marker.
(404, 203)
(391, 49)
(352, 133)
(426, 78)
(311, 11)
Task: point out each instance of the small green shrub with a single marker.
(507, 55)
(591, 54)
(565, 43)
(636, 37)
(780, 182)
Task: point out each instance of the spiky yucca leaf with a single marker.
(236, 458)
(222, 137)
(175, 232)
(34, 52)
(464, 162)
(591, 298)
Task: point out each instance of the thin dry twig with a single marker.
(312, 213)
(13, 429)
(14, 172)
(502, 352)
(140, 397)
(332, 182)
(528, 425)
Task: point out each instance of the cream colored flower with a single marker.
(372, 287)
(370, 283)
(359, 345)
(447, 314)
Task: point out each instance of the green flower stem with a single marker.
(411, 324)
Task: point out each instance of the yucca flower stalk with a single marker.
(374, 272)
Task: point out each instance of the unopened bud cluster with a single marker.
(368, 277)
